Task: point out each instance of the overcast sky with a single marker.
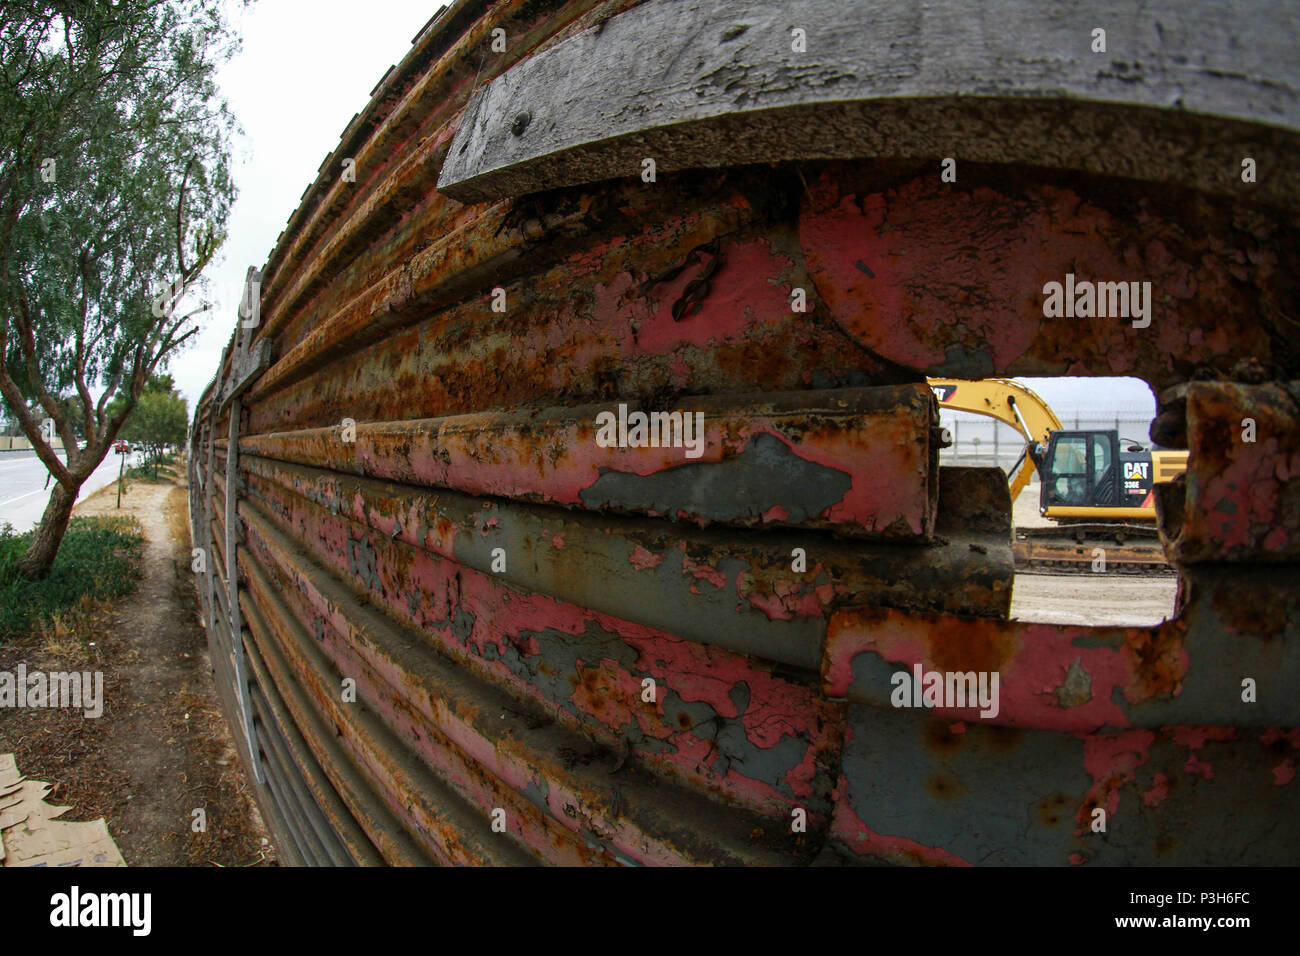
(306, 67)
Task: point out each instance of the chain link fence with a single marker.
(980, 442)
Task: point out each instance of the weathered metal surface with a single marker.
(715, 84)
(587, 319)
(1242, 491)
(1187, 670)
(717, 588)
(230, 522)
(930, 790)
(556, 769)
(474, 635)
(887, 263)
(858, 461)
(740, 730)
(398, 145)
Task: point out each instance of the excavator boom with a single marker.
(1099, 491)
(1009, 402)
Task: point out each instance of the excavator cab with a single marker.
(1089, 474)
(1086, 474)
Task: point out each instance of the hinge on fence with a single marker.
(249, 359)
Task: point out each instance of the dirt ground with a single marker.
(162, 749)
(1100, 600)
(1096, 599)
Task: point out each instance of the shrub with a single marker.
(99, 559)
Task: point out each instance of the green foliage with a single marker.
(118, 104)
(100, 558)
(159, 418)
(115, 190)
(149, 473)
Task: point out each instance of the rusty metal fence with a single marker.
(454, 621)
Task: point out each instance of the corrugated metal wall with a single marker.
(451, 627)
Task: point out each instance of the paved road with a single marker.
(23, 495)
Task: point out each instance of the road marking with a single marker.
(21, 497)
(4, 466)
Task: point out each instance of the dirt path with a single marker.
(162, 749)
(1094, 599)
(1100, 600)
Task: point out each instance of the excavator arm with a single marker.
(1008, 402)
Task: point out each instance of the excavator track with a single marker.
(461, 612)
(1091, 547)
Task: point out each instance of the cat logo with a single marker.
(1136, 469)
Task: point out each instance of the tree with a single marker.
(159, 419)
(114, 192)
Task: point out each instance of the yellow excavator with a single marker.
(1097, 486)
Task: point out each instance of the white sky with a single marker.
(306, 67)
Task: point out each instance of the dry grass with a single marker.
(162, 746)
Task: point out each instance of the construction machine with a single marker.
(1097, 486)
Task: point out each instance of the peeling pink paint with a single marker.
(556, 459)
(703, 571)
(605, 696)
(853, 834)
(1159, 791)
(1112, 761)
(1031, 659)
(1194, 738)
(643, 560)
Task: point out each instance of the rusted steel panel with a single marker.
(494, 743)
(381, 716)
(933, 790)
(398, 149)
(295, 802)
(377, 820)
(501, 587)
(889, 264)
(741, 732)
(281, 770)
(682, 305)
(1242, 490)
(713, 586)
(858, 461)
(1235, 625)
(278, 724)
(583, 787)
(230, 522)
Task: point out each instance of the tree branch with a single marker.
(26, 421)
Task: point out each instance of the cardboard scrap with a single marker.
(31, 836)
